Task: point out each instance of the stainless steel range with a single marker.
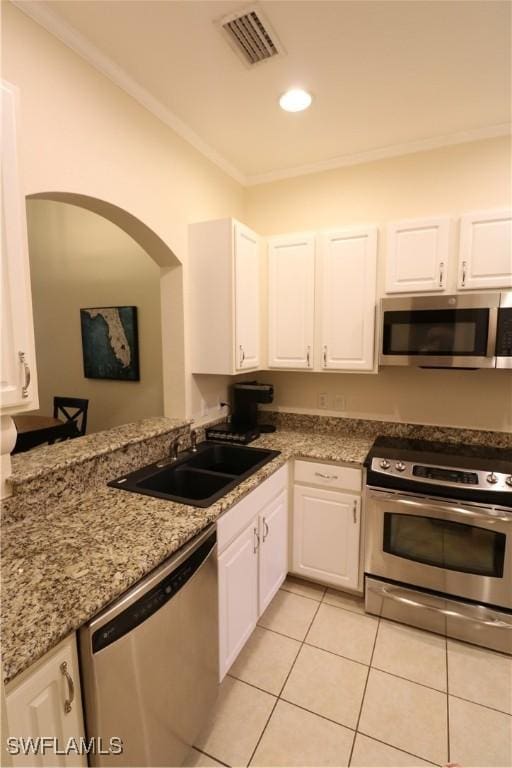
(438, 546)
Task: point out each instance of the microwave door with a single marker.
(438, 336)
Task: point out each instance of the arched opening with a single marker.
(156, 285)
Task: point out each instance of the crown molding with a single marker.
(383, 153)
(38, 11)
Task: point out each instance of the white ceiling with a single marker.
(387, 77)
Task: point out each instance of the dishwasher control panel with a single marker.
(152, 601)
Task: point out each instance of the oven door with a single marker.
(457, 549)
(440, 332)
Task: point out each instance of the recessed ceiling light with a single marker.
(295, 100)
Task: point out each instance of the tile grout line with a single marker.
(398, 749)
(364, 692)
(447, 701)
(212, 757)
(378, 669)
(278, 699)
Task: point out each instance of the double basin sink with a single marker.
(197, 478)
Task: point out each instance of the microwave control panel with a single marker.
(504, 333)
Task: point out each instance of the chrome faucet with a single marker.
(173, 454)
(173, 449)
(193, 441)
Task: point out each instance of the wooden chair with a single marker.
(73, 409)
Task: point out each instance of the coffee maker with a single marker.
(243, 424)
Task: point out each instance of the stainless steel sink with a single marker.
(198, 478)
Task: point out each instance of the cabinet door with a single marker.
(273, 565)
(417, 255)
(18, 390)
(326, 527)
(485, 259)
(291, 301)
(348, 269)
(247, 298)
(238, 595)
(36, 707)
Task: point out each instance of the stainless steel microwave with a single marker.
(456, 331)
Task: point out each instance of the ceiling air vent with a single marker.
(251, 36)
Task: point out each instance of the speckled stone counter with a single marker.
(59, 569)
(77, 545)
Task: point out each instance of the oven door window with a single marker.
(445, 544)
(436, 332)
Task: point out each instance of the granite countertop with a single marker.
(60, 569)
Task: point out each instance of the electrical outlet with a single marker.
(340, 403)
(323, 400)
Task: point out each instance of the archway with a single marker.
(171, 290)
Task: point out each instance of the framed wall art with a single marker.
(110, 343)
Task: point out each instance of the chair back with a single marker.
(73, 409)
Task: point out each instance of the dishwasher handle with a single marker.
(153, 599)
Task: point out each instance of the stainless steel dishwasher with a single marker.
(149, 661)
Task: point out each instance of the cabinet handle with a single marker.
(354, 512)
(242, 355)
(71, 687)
(308, 357)
(256, 545)
(26, 372)
(325, 355)
(464, 266)
(326, 477)
(265, 529)
(441, 274)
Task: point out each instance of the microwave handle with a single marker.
(464, 512)
(492, 332)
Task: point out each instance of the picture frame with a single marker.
(110, 344)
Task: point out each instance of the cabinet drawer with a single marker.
(234, 520)
(329, 475)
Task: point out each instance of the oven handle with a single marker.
(394, 594)
(463, 512)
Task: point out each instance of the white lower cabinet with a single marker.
(326, 532)
(252, 562)
(45, 701)
(273, 551)
(238, 595)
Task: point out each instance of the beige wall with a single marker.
(82, 134)
(79, 259)
(444, 181)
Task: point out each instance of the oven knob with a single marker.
(509, 480)
(400, 466)
(385, 464)
(491, 478)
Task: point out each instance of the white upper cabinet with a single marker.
(485, 258)
(291, 264)
(18, 383)
(224, 290)
(347, 276)
(247, 298)
(417, 255)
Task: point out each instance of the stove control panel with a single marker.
(452, 476)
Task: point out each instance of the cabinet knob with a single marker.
(464, 268)
(71, 687)
(26, 373)
(256, 545)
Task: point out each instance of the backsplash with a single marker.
(368, 428)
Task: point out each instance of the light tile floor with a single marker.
(320, 683)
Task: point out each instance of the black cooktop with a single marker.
(476, 473)
(464, 455)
